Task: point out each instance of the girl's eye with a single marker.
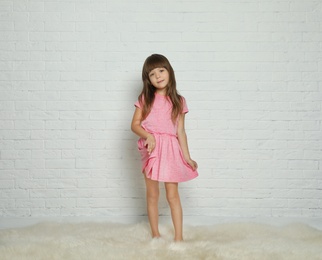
(161, 70)
(151, 75)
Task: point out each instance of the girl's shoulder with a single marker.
(182, 98)
(184, 104)
(140, 101)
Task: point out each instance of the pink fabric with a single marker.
(166, 162)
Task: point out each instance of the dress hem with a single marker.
(171, 180)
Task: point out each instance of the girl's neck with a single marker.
(161, 93)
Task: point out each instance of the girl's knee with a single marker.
(153, 196)
(173, 199)
(172, 193)
(152, 190)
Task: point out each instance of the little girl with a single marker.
(159, 122)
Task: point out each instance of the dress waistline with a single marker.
(157, 133)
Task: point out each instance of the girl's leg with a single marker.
(152, 198)
(176, 209)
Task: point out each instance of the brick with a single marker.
(59, 26)
(13, 154)
(34, 26)
(30, 184)
(58, 7)
(60, 164)
(60, 203)
(29, 164)
(29, 124)
(30, 203)
(61, 184)
(6, 184)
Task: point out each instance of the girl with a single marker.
(159, 122)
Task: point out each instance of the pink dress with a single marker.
(166, 162)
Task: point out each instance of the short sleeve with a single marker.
(137, 104)
(184, 106)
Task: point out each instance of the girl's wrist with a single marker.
(148, 136)
(187, 159)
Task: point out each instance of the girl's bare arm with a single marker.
(137, 129)
(182, 137)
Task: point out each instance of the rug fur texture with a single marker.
(119, 241)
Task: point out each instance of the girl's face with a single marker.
(159, 78)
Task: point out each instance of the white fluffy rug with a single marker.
(120, 241)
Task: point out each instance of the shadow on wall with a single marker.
(134, 187)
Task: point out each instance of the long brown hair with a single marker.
(146, 98)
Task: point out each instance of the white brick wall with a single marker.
(70, 72)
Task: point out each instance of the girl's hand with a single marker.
(193, 164)
(150, 143)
